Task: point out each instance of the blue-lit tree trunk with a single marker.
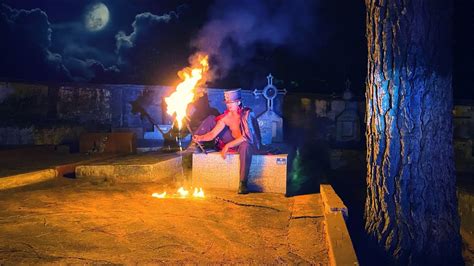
(411, 205)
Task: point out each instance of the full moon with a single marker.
(96, 17)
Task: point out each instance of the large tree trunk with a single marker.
(411, 206)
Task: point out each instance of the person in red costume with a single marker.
(235, 130)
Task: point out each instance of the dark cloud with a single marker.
(91, 70)
(25, 48)
(238, 29)
(27, 55)
(151, 51)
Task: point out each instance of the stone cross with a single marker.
(271, 124)
(270, 92)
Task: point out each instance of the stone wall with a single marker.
(34, 114)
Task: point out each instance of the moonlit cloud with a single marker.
(144, 24)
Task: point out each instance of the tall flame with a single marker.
(192, 76)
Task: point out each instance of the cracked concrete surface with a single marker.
(74, 221)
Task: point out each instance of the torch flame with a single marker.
(192, 76)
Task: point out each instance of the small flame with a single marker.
(198, 193)
(193, 76)
(183, 192)
(160, 196)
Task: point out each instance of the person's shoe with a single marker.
(243, 188)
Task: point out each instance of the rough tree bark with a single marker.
(411, 205)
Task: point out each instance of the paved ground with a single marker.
(74, 221)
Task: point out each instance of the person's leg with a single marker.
(246, 151)
(206, 125)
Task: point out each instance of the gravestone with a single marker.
(348, 123)
(270, 123)
(337, 107)
(321, 108)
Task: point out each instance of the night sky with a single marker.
(309, 46)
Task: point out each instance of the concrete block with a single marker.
(133, 169)
(27, 178)
(332, 202)
(267, 172)
(341, 251)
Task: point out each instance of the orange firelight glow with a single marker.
(191, 77)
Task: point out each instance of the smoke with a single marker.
(238, 27)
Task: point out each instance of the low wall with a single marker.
(341, 251)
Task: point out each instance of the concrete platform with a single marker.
(71, 221)
(26, 166)
(146, 167)
(267, 172)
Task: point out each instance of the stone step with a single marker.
(267, 172)
(146, 167)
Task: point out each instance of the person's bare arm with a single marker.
(211, 134)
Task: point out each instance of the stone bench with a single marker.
(267, 172)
